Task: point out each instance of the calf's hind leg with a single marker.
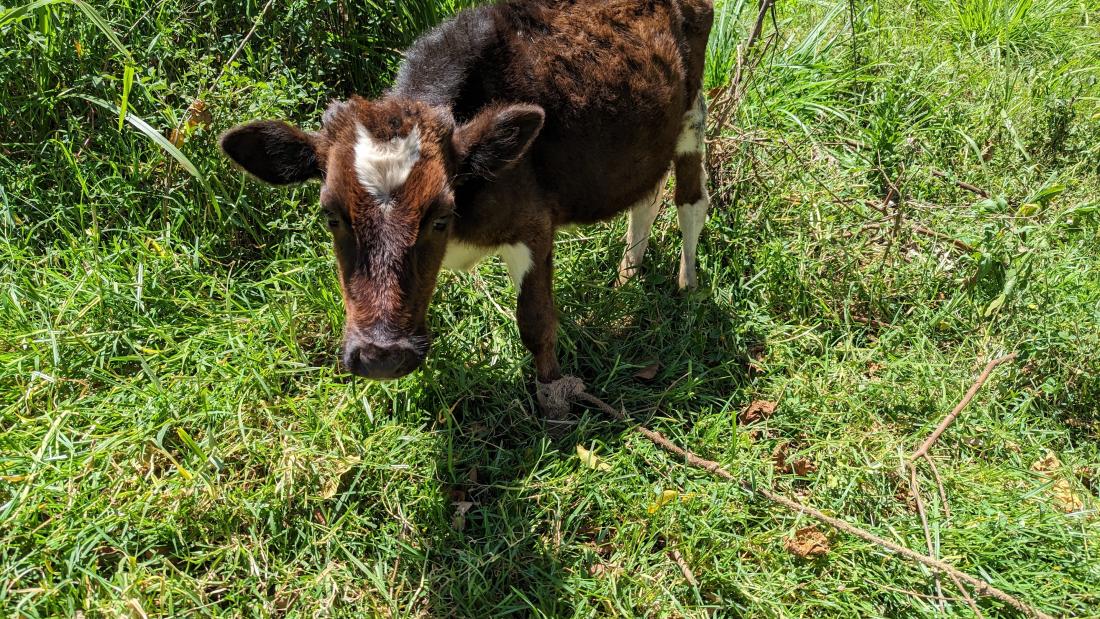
(639, 225)
(692, 201)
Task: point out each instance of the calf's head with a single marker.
(388, 170)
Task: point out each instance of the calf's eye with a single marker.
(440, 224)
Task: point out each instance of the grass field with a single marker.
(177, 439)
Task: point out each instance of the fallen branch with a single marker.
(919, 229)
(678, 559)
(950, 418)
(710, 466)
(961, 184)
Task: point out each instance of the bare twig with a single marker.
(960, 184)
(919, 229)
(658, 439)
(950, 418)
(727, 102)
(967, 597)
(678, 559)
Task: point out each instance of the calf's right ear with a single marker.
(273, 151)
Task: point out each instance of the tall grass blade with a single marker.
(15, 14)
(156, 137)
(100, 23)
(127, 84)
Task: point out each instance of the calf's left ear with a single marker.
(497, 138)
(273, 151)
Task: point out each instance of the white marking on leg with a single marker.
(691, 217)
(517, 257)
(691, 134)
(383, 167)
(638, 228)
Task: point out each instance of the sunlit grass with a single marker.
(176, 437)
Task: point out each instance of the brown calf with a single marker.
(505, 123)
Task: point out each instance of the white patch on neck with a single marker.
(383, 167)
(464, 257)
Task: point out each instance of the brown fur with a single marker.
(603, 84)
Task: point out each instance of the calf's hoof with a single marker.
(556, 397)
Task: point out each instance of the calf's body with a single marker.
(504, 124)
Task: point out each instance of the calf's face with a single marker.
(388, 170)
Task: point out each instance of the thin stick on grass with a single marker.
(950, 418)
(716, 469)
(961, 184)
(926, 231)
(678, 559)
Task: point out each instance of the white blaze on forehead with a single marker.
(383, 167)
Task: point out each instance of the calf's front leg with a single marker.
(536, 314)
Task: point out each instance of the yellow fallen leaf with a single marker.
(1061, 491)
(1047, 464)
(591, 460)
(1065, 498)
(664, 498)
(334, 474)
(1027, 209)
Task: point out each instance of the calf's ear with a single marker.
(497, 138)
(273, 151)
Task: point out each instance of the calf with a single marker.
(505, 123)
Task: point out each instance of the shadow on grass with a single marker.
(510, 540)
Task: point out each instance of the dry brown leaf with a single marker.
(757, 410)
(176, 137)
(808, 542)
(1047, 464)
(339, 466)
(198, 115)
(803, 466)
(1061, 491)
(649, 372)
(1065, 498)
(779, 455)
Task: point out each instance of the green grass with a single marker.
(176, 438)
